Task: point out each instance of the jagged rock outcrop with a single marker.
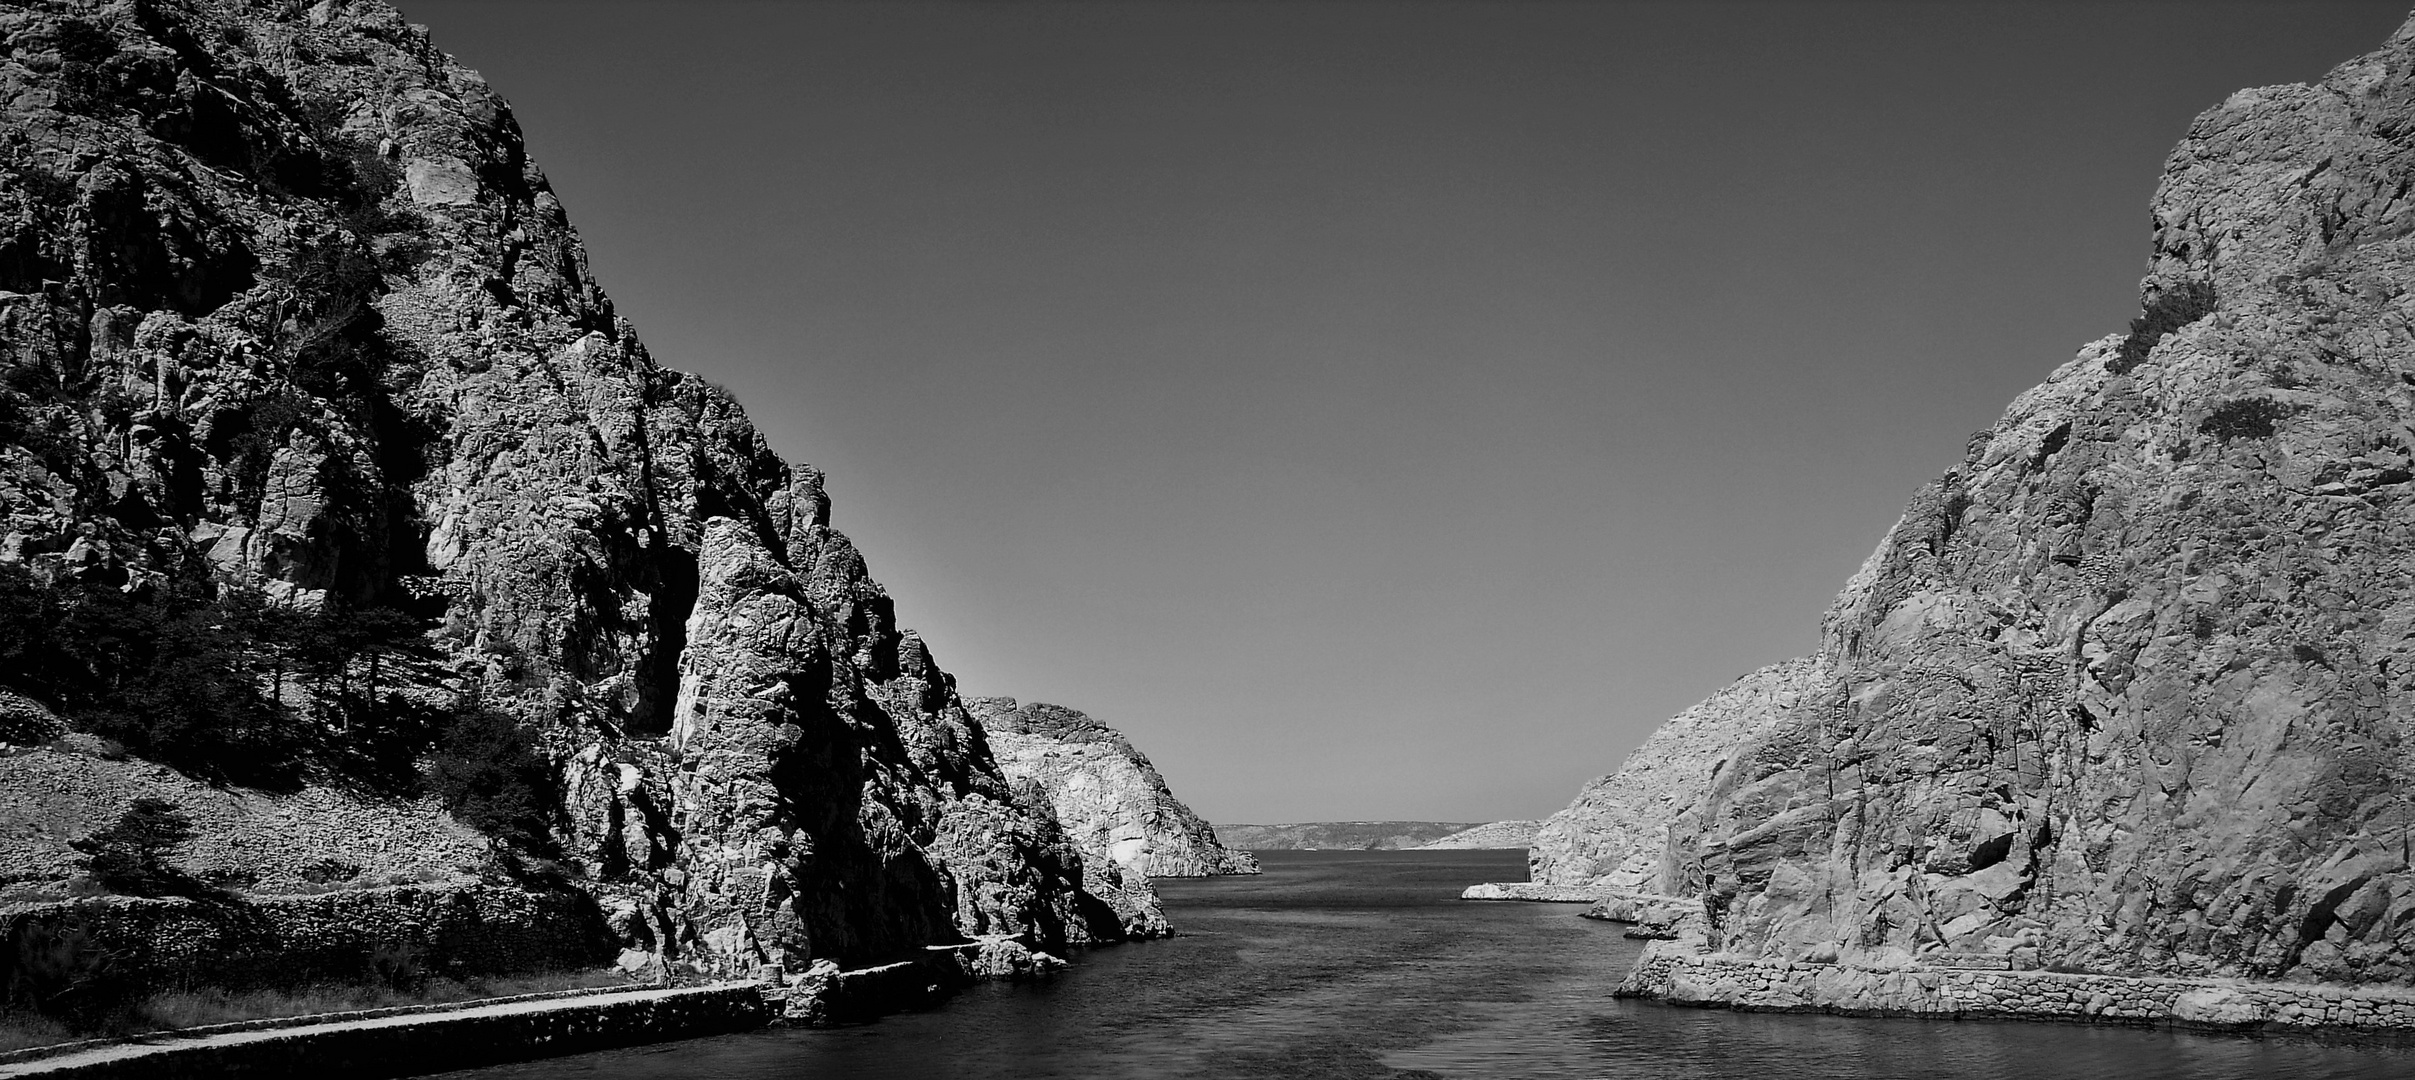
(1615, 833)
(1102, 789)
(285, 304)
(2129, 687)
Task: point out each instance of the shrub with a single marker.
(2171, 308)
(2244, 418)
(131, 856)
(487, 771)
(330, 871)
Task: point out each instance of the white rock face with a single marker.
(1616, 831)
(1103, 790)
(1490, 836)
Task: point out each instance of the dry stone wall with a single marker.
(1674, 973)
(319, 836)
(416, 1044)
(108, 947)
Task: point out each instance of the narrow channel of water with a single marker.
(1366, 964)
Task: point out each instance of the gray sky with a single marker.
(1377, 410)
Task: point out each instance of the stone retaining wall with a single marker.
(107, 946)
(1674, 973)
(409, 1045)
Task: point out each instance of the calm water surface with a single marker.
(1366, 964)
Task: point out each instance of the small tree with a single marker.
(490, 774)
(131, 856)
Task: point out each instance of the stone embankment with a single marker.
(112, 944)
(408, 1042)
(415, 1039)
(1677, 973)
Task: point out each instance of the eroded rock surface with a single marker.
(1615, 833)
(1111, 801)
(284, 303)
(2129, 686)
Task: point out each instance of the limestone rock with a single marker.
(1615, 832)
(1012, 961)
(2129, 687)
(2217, 1006)
(1102, 789)
(284, 303)
(1492, 836)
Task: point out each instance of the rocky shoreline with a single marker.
(1679, 969)
(1678, 973)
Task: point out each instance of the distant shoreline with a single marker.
(1377, 835)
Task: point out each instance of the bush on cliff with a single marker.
(2170, 309)
(488, 773)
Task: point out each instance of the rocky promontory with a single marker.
(335, 489)
(2127, 689)
(1615, 833)
(1491, 836)
(1102, 789)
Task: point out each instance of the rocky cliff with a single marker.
(1102, 789)
(287, 309)
(1615, 833)
(2129, 686)
(1491, 836)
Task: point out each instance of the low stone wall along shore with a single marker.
(416, 1043)
(1674, 972)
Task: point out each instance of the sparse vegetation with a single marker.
(2244, 418)
(20, 1029)
(2171, 308)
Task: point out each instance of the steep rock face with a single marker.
(1110, 800)
(1615, 833)
(2129, 687)
(285, 304)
